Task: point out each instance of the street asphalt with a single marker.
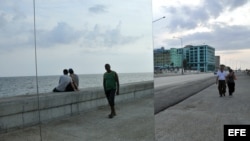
(202, 116)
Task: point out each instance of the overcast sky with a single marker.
(222, 24)
(78, 34)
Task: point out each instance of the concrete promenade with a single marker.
(23, 111)
(134, 122)
(202, 116)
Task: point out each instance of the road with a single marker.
(174, 89)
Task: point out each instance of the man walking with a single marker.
(221, 78)
(111, 87)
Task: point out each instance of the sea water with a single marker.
(27, 85)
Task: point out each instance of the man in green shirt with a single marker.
(111, 87)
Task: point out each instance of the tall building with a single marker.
(161, 57)
(217, 62)
(176, 57)
(200, 57)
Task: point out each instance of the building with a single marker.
(161, 58)
(217, 62)
(166, 58)
(176, 57)
(200, 57)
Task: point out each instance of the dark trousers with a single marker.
(110, 95)
(55, 90)
(69, 88)
(231, 87)
(222, 87)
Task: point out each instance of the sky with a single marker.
(79, 34)
(222, 24)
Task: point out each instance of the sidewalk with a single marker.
(134, 122)
(202, 116)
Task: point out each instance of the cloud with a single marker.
(188, 17)
(185, 17)
(98, 36)
(222, 38)
(62, 33)
(206, 23)
(16, 25)
(3, 20)
(98, 9)
(233, 4)
(213, 7)
(107, 37)
(15, 33)
(231, 37)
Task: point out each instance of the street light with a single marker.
(153, 41)
(158, 19)
(182, 72)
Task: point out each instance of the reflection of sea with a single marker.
(12, 86)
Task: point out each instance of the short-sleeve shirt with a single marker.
(75, 79)
(110, 80)
(222, 75)
(64, 80)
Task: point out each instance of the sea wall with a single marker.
(23, 111)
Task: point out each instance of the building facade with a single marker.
(161, 58)
(165, 58)
(200, 57)
(176, 57)
(217, 62)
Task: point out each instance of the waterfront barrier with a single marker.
(23, 111)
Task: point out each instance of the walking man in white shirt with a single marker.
(221, 79)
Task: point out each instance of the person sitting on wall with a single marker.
(74, 77)
(65, 83)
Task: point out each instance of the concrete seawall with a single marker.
(23, 111)
(167, 96)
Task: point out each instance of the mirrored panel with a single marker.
(18, 87)
(84, 36)
(17, 48)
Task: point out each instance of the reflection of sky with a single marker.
(221, 24)
(83, 35)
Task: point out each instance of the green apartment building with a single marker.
(176, 57)
(200, 57)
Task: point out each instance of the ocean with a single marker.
(26, 85)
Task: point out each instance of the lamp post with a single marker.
(153, 41)
(158, 19)
(162, 57)
(182, 72)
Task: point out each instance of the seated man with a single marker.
(65, 83)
